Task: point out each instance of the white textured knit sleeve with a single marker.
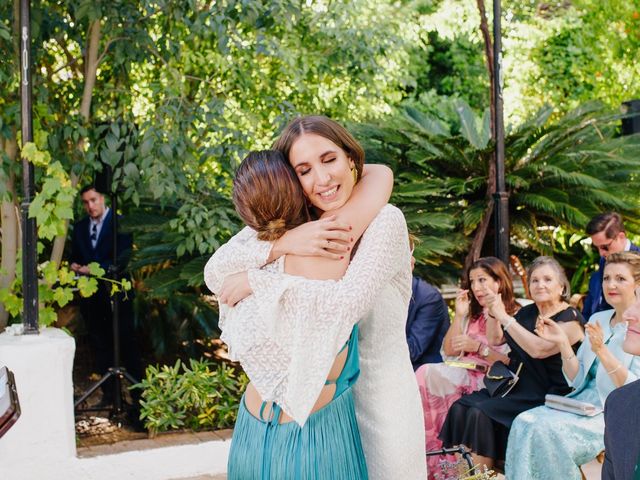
(242, 252)
(383, 251)
(315, 317)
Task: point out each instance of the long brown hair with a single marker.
(267, 194)
(324, 127)
(496, 269)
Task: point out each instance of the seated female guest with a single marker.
(442, 384)
(622, 413)
(478, 420)
(547, 443)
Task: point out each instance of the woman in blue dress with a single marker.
(282, 307)
(546, 443)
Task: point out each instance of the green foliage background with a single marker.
(183, 89)
(197, 396)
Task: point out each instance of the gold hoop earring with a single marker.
(354, 172)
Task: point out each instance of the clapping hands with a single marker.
(550, 330)
(495, 305)
(596, 336)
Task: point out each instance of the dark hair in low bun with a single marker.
(275, 229)
(267, 194)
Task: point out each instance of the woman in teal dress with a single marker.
(546, 443)
(327, 446)
(295, 435)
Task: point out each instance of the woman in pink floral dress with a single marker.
(441, 384)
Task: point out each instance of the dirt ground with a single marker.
(94, 428)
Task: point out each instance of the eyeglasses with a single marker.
(604, 246)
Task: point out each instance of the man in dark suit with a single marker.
(622, 433)
(622, 413)
(607, 236)
(427, 322)
(92, 241)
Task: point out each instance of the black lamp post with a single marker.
(501, 196)
(29, 232)
(631, 123)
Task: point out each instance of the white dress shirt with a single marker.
(98, 226)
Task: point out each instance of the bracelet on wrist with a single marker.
(573, 355)
(508, 324)
(609, 372)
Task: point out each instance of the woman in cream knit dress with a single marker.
(387, 400)
(386, 395)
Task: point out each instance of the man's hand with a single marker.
(80, 269)
(235, 288)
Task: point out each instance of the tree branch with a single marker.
(71, 60)
(90, 68)
(106, 48)
(488, 53)
(478, 240)
(10, 224)
(68, 64)
(481, 232)
(486, 37)
(90, 73)
(157, 54)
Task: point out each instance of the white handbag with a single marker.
(571, 405)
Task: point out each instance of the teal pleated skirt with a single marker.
(328, 447)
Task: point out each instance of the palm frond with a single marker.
(560, 172)
(469, 126)
(427, 125)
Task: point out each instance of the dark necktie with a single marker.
(94, 235)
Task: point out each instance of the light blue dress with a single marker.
(549, 444)
(327, 447)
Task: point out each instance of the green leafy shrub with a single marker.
(198, 396)
(560, 172)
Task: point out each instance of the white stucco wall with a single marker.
(41, 445)
(183, 461)
(42, 365)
